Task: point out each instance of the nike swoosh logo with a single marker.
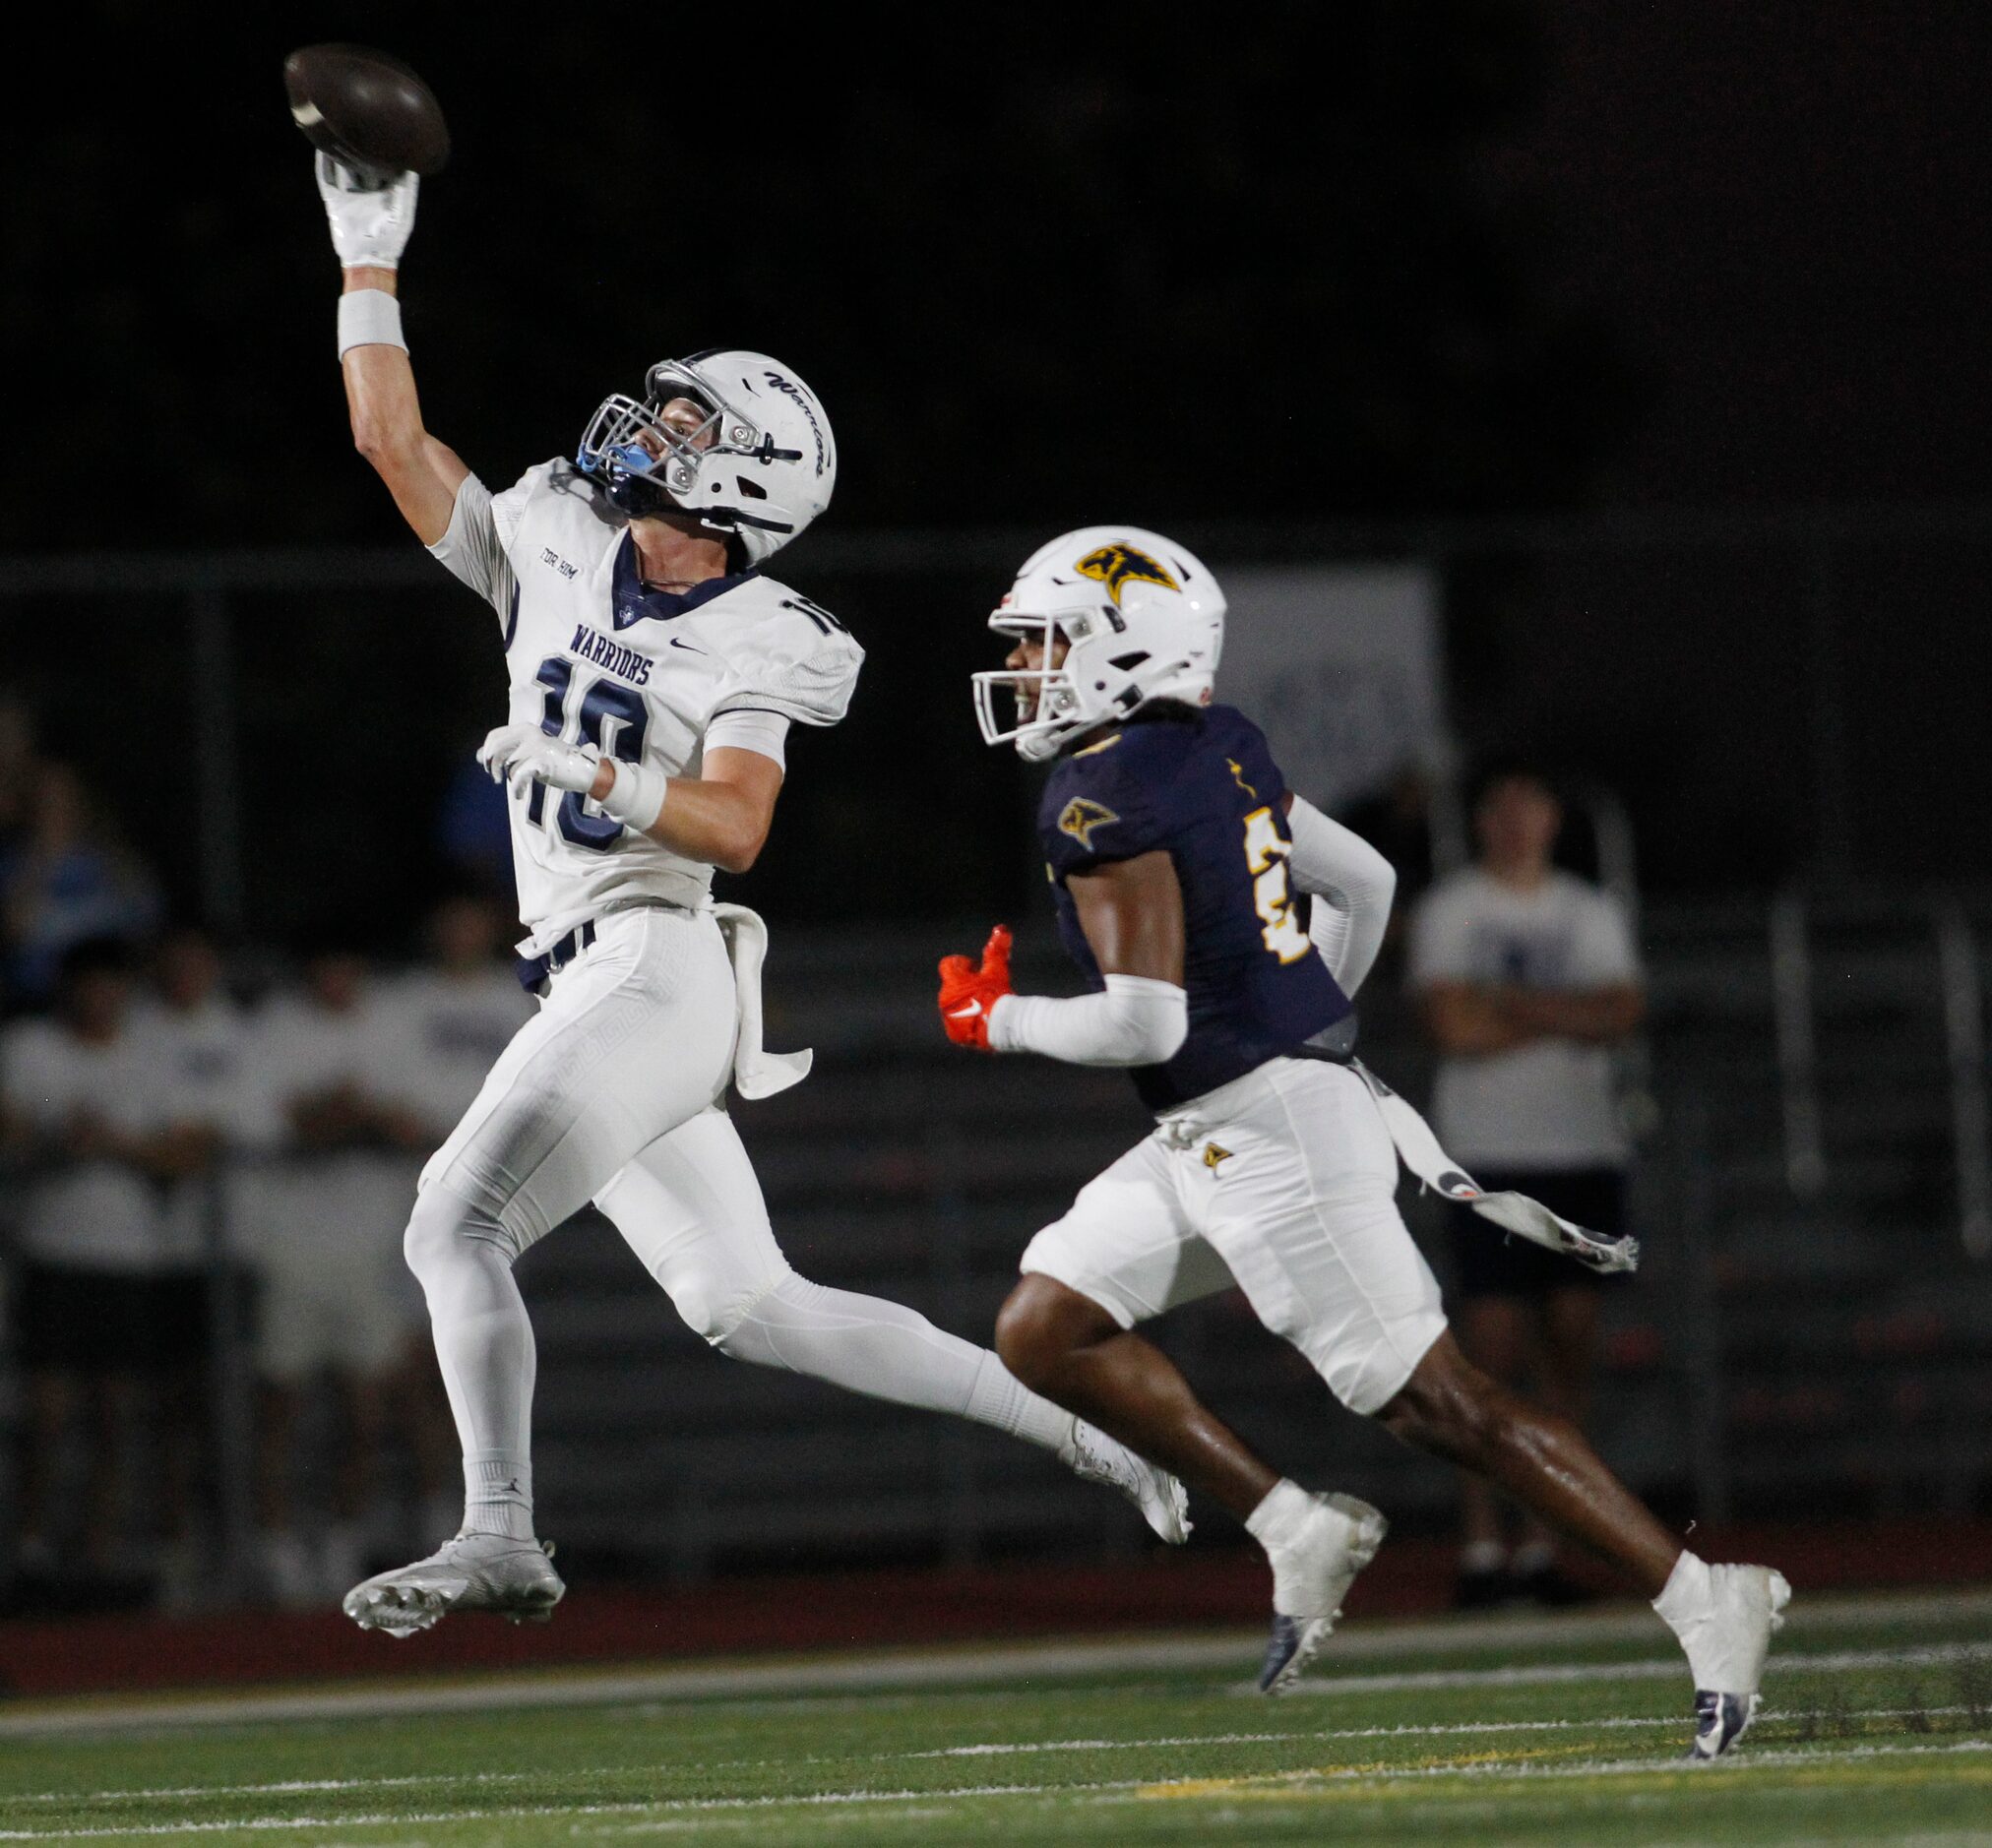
(687, 646)
(965, 1014)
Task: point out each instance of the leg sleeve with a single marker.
(690, 1207)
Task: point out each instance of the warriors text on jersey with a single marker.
(595, 656)
(1201, 787)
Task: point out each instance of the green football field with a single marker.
(1878, 1728)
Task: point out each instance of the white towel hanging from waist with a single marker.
(757, 1072)
(1418, 1149)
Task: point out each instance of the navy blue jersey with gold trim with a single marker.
(1201, 786)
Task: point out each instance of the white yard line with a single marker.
(1460, 1729)
(971, 1666)
(1191, 1788)
(838, 1673)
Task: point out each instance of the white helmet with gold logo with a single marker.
(1123, 617)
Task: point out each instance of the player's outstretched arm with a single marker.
(370, 225)
(1132, 913)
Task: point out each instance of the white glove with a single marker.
(370, 218)
(518, 755)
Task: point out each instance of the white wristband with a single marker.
(369, 317)
(637, 796)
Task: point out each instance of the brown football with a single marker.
(366, 110)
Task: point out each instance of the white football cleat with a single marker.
(1311, 1576)
(474, 1571)
(1726, 1651)
(1093, 1457)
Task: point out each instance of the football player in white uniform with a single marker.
(653, 674)
(1224, 926)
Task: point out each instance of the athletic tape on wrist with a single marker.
(369, 317)
(637, 796)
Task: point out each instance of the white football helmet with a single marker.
(1140, 620)
(761, 465)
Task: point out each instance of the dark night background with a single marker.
(1325, 272)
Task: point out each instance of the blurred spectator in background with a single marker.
(455, 1014)
(1527, 977)
(336, 1301)
(196, 1041)
(192, 1042)
(111, 1315)
(65, 879)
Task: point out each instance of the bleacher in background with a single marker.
(1809, 1334)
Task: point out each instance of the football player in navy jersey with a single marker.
(1223, 926)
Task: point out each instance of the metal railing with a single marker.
(207, 589)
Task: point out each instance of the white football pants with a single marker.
(1284, 1182)
(612, 1093)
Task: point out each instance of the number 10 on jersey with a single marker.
(612, 719)
(1265, 851)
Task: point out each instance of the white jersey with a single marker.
(196, 1064)
(95, 1215)
(346, 1203)
(1549, 1104)
(649, 678)
(451, 1029)
(197, 1061)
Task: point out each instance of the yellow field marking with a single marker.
(1380, 1768)
(1407, 1778)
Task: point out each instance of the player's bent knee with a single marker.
(1043, 1322)
(718, 1311)
(1447, 1405)
(440, 1228)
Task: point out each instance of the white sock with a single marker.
(1685, 1603)
(498, 1494)
(1278, 1519)
(888, 1351)
(999, 1398)
(485, 1344)
(1685, 1597)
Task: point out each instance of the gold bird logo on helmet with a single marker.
(1115, 565)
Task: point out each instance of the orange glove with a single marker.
(969, 993)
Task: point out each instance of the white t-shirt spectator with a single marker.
(93, 1216)
(195, 1063)
(326, 1207)
(453, 1030)
(1549, 1104)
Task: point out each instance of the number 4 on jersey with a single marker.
(1265, 851)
